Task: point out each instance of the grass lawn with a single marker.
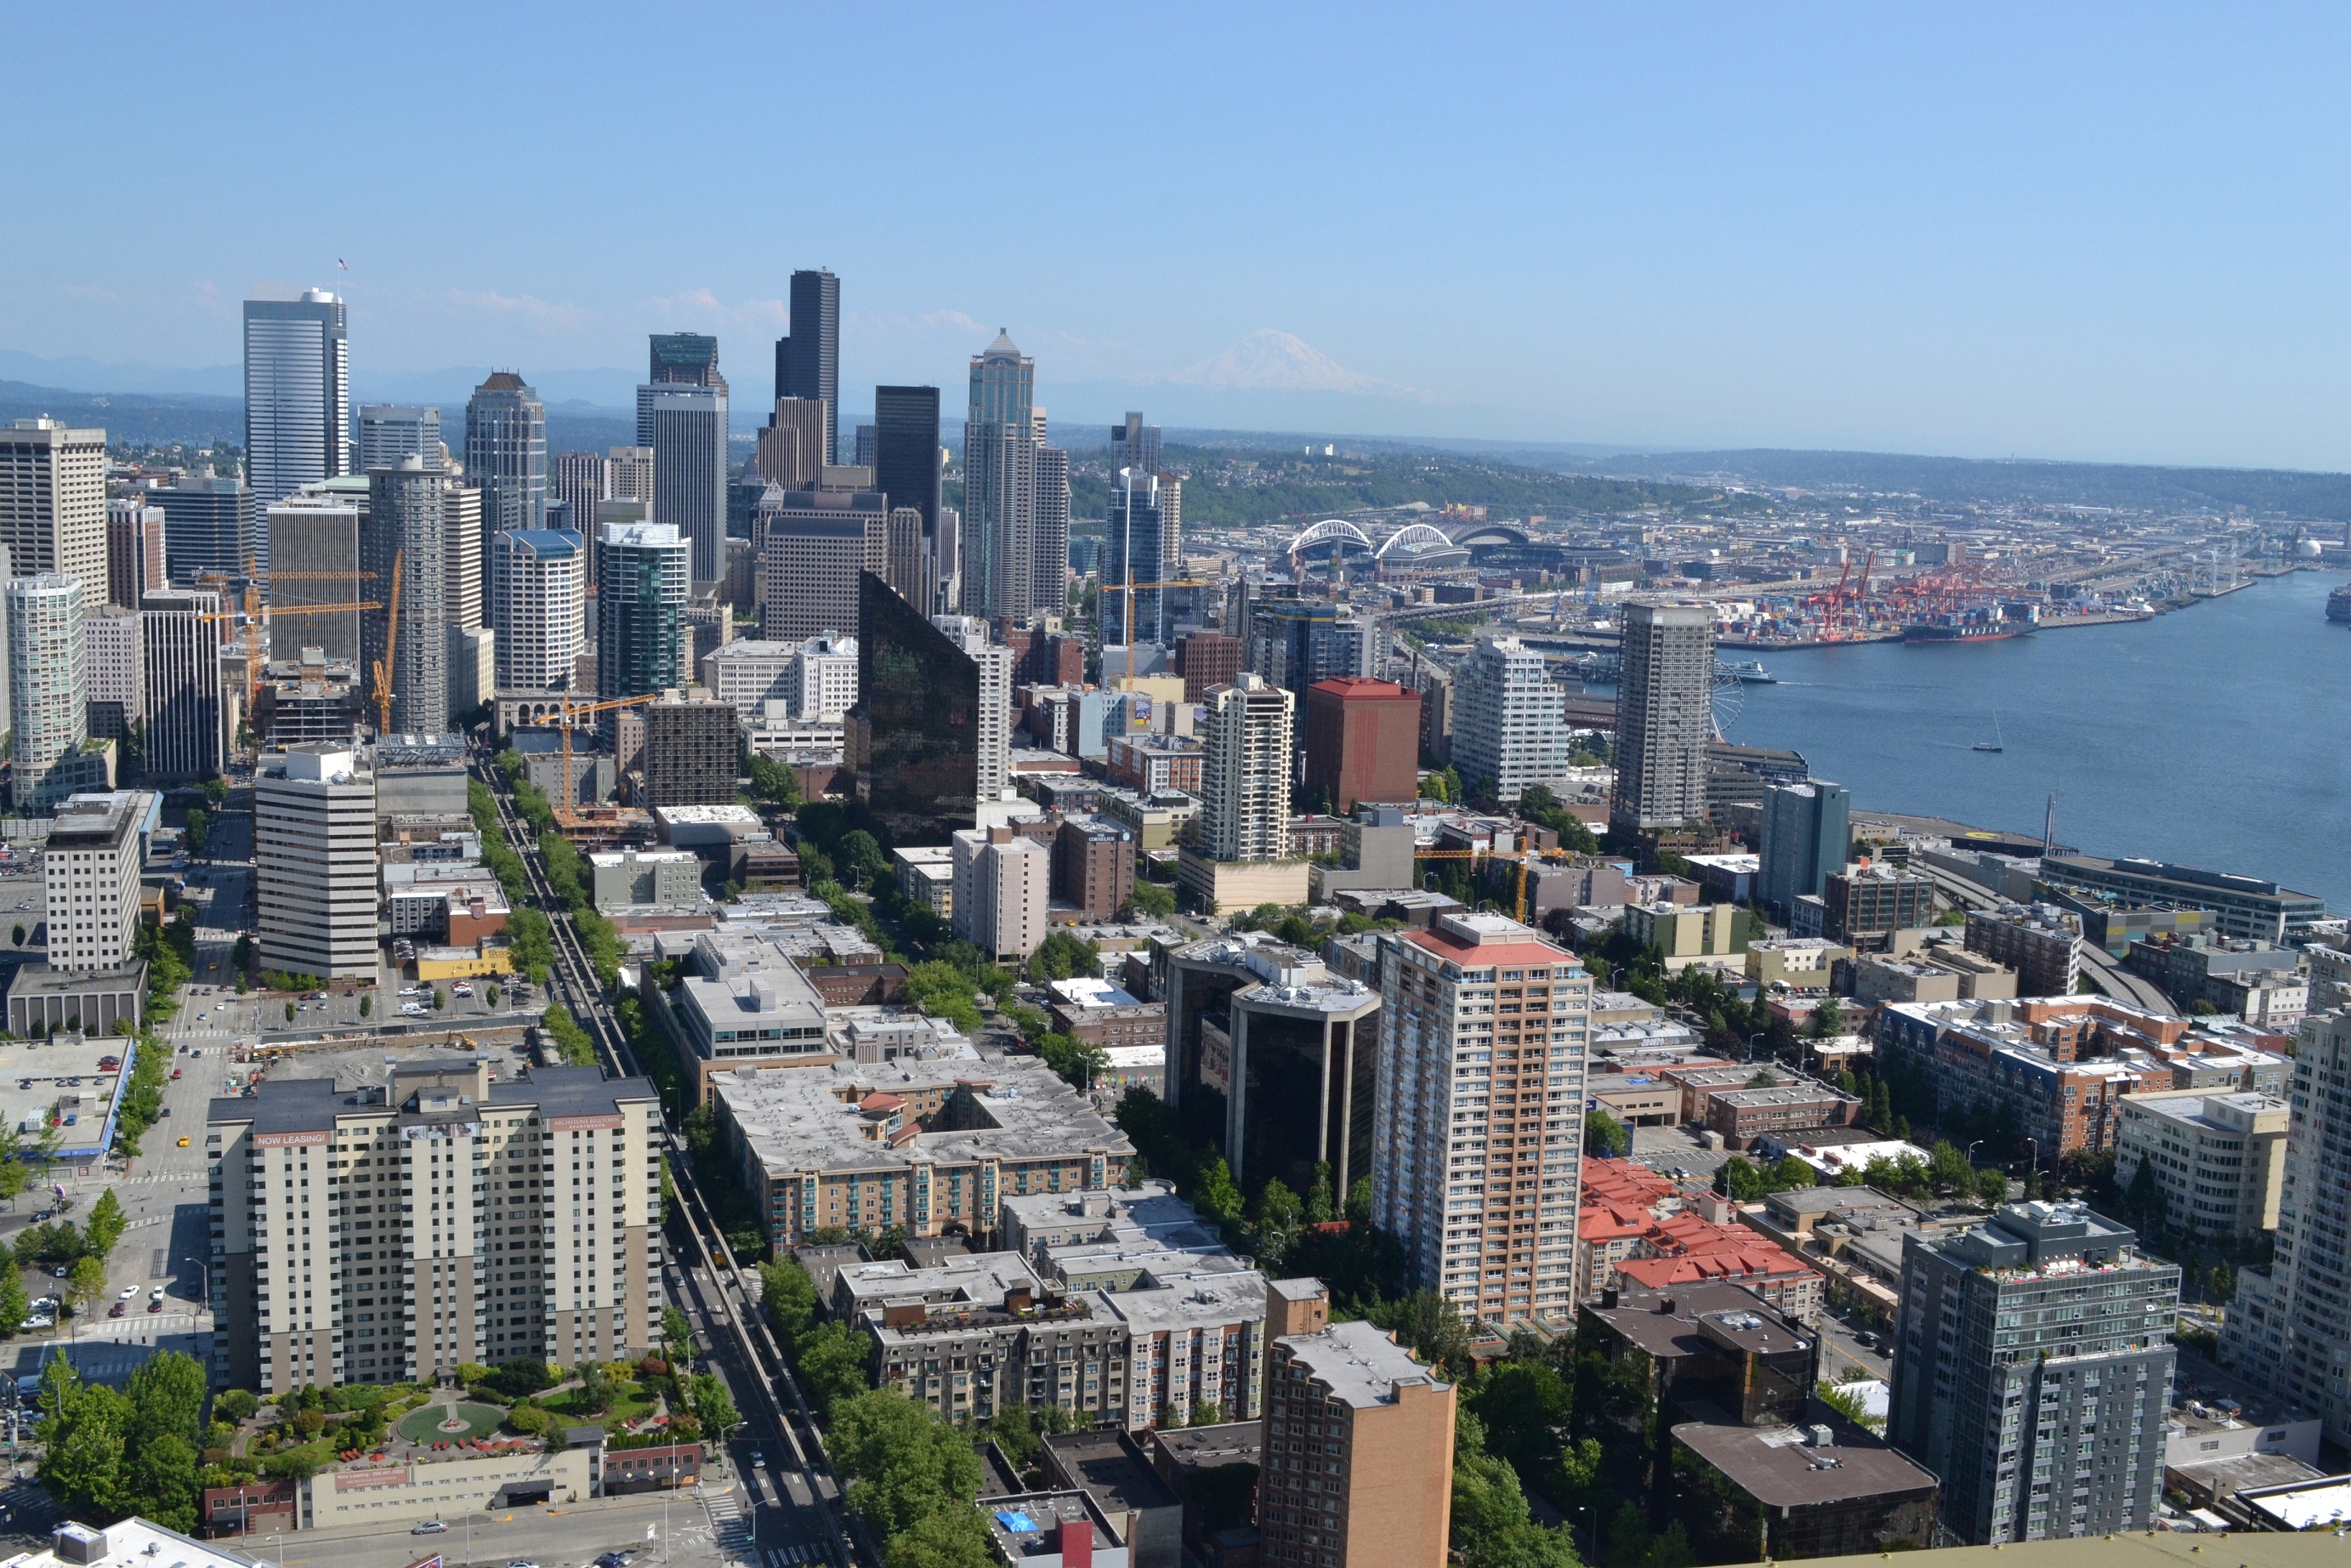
(630, 1401)
(423, 1425)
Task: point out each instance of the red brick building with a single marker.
(1206, 660)
(1154, 764)
(1362, 742)
(1094, 866)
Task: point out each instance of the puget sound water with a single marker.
(2218, 736)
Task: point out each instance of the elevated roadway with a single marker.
(2104, 970)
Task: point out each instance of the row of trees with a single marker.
(107, 1455)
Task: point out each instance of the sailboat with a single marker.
(1999, 741)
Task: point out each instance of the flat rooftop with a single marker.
(1359, 1363)
(1792, 1467)
(57, 1079)
(809, 1118)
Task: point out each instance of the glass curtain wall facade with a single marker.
(913, 736)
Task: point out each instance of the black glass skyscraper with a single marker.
(906, 450)
(808, 363)
(686, 358)
(914, 735)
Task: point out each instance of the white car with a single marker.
(127, 1292)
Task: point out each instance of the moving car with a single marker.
(184, 1142)
(430, 1527)
(117, 1309)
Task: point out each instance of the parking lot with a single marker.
(1676, 1152)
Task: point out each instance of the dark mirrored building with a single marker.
(914, 735)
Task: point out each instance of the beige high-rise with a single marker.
(53, 503)
(452, 1220)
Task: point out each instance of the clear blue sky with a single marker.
(2108, 233)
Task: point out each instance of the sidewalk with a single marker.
(568, 1535)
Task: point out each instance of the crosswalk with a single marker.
(732, 1526)
(792, 1557)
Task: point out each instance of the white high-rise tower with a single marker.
(297, 399)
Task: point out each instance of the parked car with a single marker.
(430, 1527)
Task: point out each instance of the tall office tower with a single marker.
(47, 687)
(314, 860)
(1136, 538)
(1807, 837)
(999, 450)
(1665, 716)
(813, 546)
(992, 710)
(463, 539)
(628, 474)
(906, 452)
(1135, 444)
(297, 399)
(693, 747)
(445, 1290)
(316, 549)
(791, 447)
(1385, 1424)
(2032, 1373)
(207, 526)
(1481, 1113)
(946, 554)
(641, 594)
(136, 552)
(1362, 743)
(868, 443)
(180, 637)
(406, 530)
(506, 451)
(808, 363)
(392, 431)
(537, 579)
(686, 359)
(1048, 587)
(1245, 771)
(687, 428)
(91, 870)
(53, 503)
(1509, 719)
(113, 665)
(905, 563)
(2289, 1330)
(1000, 884)
(914, 738)
(583, 479)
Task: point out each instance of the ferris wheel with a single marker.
(1729, 697)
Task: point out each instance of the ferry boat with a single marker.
(1750, 671)
(2339, 605)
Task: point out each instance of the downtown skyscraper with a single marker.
(906, 465)
(997, 471)
(808, 361)
(297, 400)
(53, 503)
(641, 577)
(1664, 717)
(682, 417)
(405, 540)
(505, 452)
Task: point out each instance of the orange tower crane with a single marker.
(383, 667)
(1130, 589)
(567, 812)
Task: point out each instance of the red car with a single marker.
(115, 1310)
(176, 1074)
(156, 1305)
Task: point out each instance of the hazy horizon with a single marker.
(2099, 235)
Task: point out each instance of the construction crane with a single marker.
(1130, 589)
(383, 667)
(567, 812)
(255, 612)
(1524, 860)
